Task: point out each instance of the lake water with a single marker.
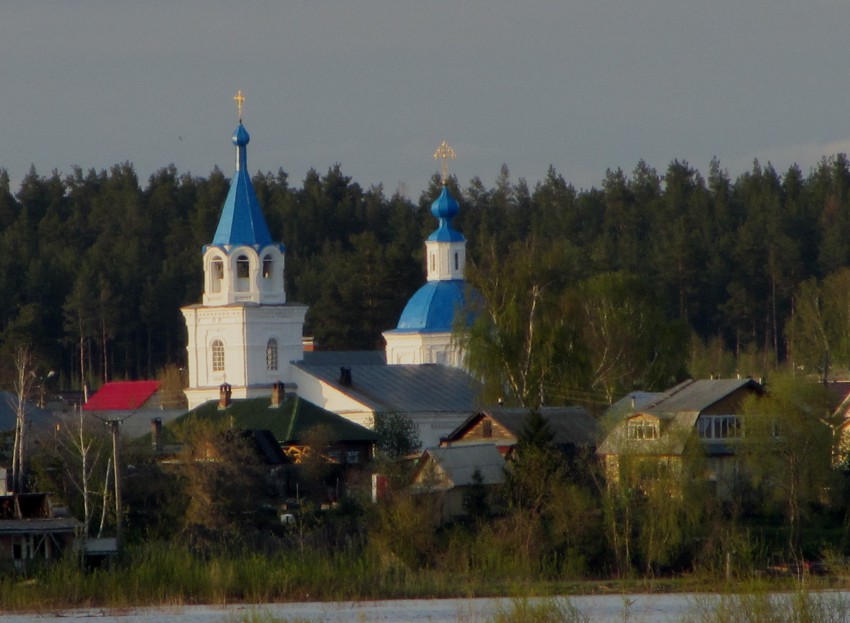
(600, 609)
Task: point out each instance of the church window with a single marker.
(218, 356)
(243, 265)
(433, 262)
(217, 274)
(271, 355)
(268, 266)
(457, 262)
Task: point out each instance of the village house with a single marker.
(134, 404)
(698, 419)
(450, 474)
(573, 429)
(32, 530)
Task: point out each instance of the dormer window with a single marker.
(216, 274)
(243, 270)
(642, 430)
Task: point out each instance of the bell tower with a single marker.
(244, 333)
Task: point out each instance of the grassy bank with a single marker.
(163, 575)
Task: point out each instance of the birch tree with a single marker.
(23, 385)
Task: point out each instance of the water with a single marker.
(601, 609)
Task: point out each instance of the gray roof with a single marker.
(569, 425)
(45, 525)
(35, 417)
(459, 463)
(403, 388)
(694, 396)
(634, 400)
(679, 408)
(345, 357)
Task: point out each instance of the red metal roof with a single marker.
(121, 396)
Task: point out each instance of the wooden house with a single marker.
(658, 432)
(450, 473)
(572, 428)
(32, 531)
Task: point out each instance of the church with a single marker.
(244, 334)
(244, 337)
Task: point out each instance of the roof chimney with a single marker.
(224, 394)
(345, 377)
(156, 435)
(277, 394)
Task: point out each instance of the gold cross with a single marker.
(239, 99)
(445, 152)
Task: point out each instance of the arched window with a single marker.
(216, 274)
(217, 356)
(243, 269)
(271, 355)
(268, 266)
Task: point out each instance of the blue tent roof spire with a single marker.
(241, 221)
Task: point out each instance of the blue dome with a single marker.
(444, 208)
(432, 308)
(241, 136)
(445, 205)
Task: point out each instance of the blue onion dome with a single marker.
(445, 205)
(432, 308)
(241, 136)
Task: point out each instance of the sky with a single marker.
(376, 85)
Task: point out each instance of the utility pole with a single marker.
(115, 427)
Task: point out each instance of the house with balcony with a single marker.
(696, 424)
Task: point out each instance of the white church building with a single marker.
(244, 334)
(424, 331)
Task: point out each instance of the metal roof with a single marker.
(44, 525)
(694, 396)
(35, 417)
(403, 388)
(241, 221)
(288, 422)
(432, 307)
(345, 357)
(121, 396)
(569, 425)
(459, 464)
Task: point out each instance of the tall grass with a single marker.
(159, 574)
(763, 607)
(547, 611)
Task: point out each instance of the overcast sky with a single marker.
(375, 85)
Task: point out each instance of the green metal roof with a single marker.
(288, 422)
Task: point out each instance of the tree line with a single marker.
(693, 274)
